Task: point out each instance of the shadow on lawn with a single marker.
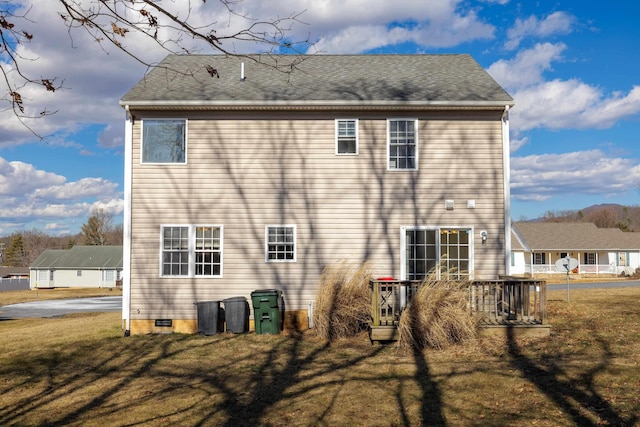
(139, 374)
(160, 379)
(575, 395)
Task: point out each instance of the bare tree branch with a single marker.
(114, 22)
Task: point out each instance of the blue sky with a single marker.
(572, 68)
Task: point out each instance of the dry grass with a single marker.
(438, 315)
(81, 371)
(343, 303)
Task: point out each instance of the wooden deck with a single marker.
(510, 307)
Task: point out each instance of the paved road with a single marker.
(592, 285)
(60, 307)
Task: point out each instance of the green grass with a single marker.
(81, 371)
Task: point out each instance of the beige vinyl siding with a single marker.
(246, 174)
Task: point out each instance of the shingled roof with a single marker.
(81, 258)
(582, 236)
(356, 80)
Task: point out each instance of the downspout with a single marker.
(126, 226)
(506, 166)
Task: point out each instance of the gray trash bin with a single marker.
(209, 316)
(236, 312)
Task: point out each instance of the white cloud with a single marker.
(516, 143)
(29, 195)
(55, 226)
(440, 25)
(555, 23)
(571, 104)
(85, 187)
(540, 177)
(111, 206)
(558, 104)
(527, 67)
(18, 178)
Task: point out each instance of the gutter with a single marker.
(313, 105)
(126, 226)
(506, 166)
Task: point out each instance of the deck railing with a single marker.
(510, 300)
(501, 301)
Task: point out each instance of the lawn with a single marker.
(80, 370)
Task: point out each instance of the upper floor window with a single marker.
(346, 136)
(280, 243)
(191, 251)
(164, 141)
(402, 144)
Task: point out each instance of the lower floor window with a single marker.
(590, 258)
(191, 250)
(426, 248)
(280, 243)
(539, 258)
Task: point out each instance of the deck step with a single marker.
(508, 331)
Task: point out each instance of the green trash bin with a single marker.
(266, 311)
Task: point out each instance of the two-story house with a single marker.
(240, 177)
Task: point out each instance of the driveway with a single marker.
(60, 307)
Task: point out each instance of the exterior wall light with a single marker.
(483, 236)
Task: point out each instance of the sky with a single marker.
(571, 66)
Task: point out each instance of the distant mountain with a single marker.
(610, 215)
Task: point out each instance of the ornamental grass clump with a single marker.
(438, 314)
(342, 307)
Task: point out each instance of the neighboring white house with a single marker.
(80, 266)
(537, 246)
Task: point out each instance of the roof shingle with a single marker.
(558, 236)
(81, 258)
(353, 79)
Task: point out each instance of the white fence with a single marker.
(581, 269)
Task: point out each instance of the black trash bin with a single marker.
(266, 311)
(236, 313)
(209, 317)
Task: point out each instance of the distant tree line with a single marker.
(626, 218)
(21, 249)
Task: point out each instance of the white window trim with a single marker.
(186, 142)
(400, 119)
(192, 251)
(357, 136)
(266, 243)
(403, 245)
